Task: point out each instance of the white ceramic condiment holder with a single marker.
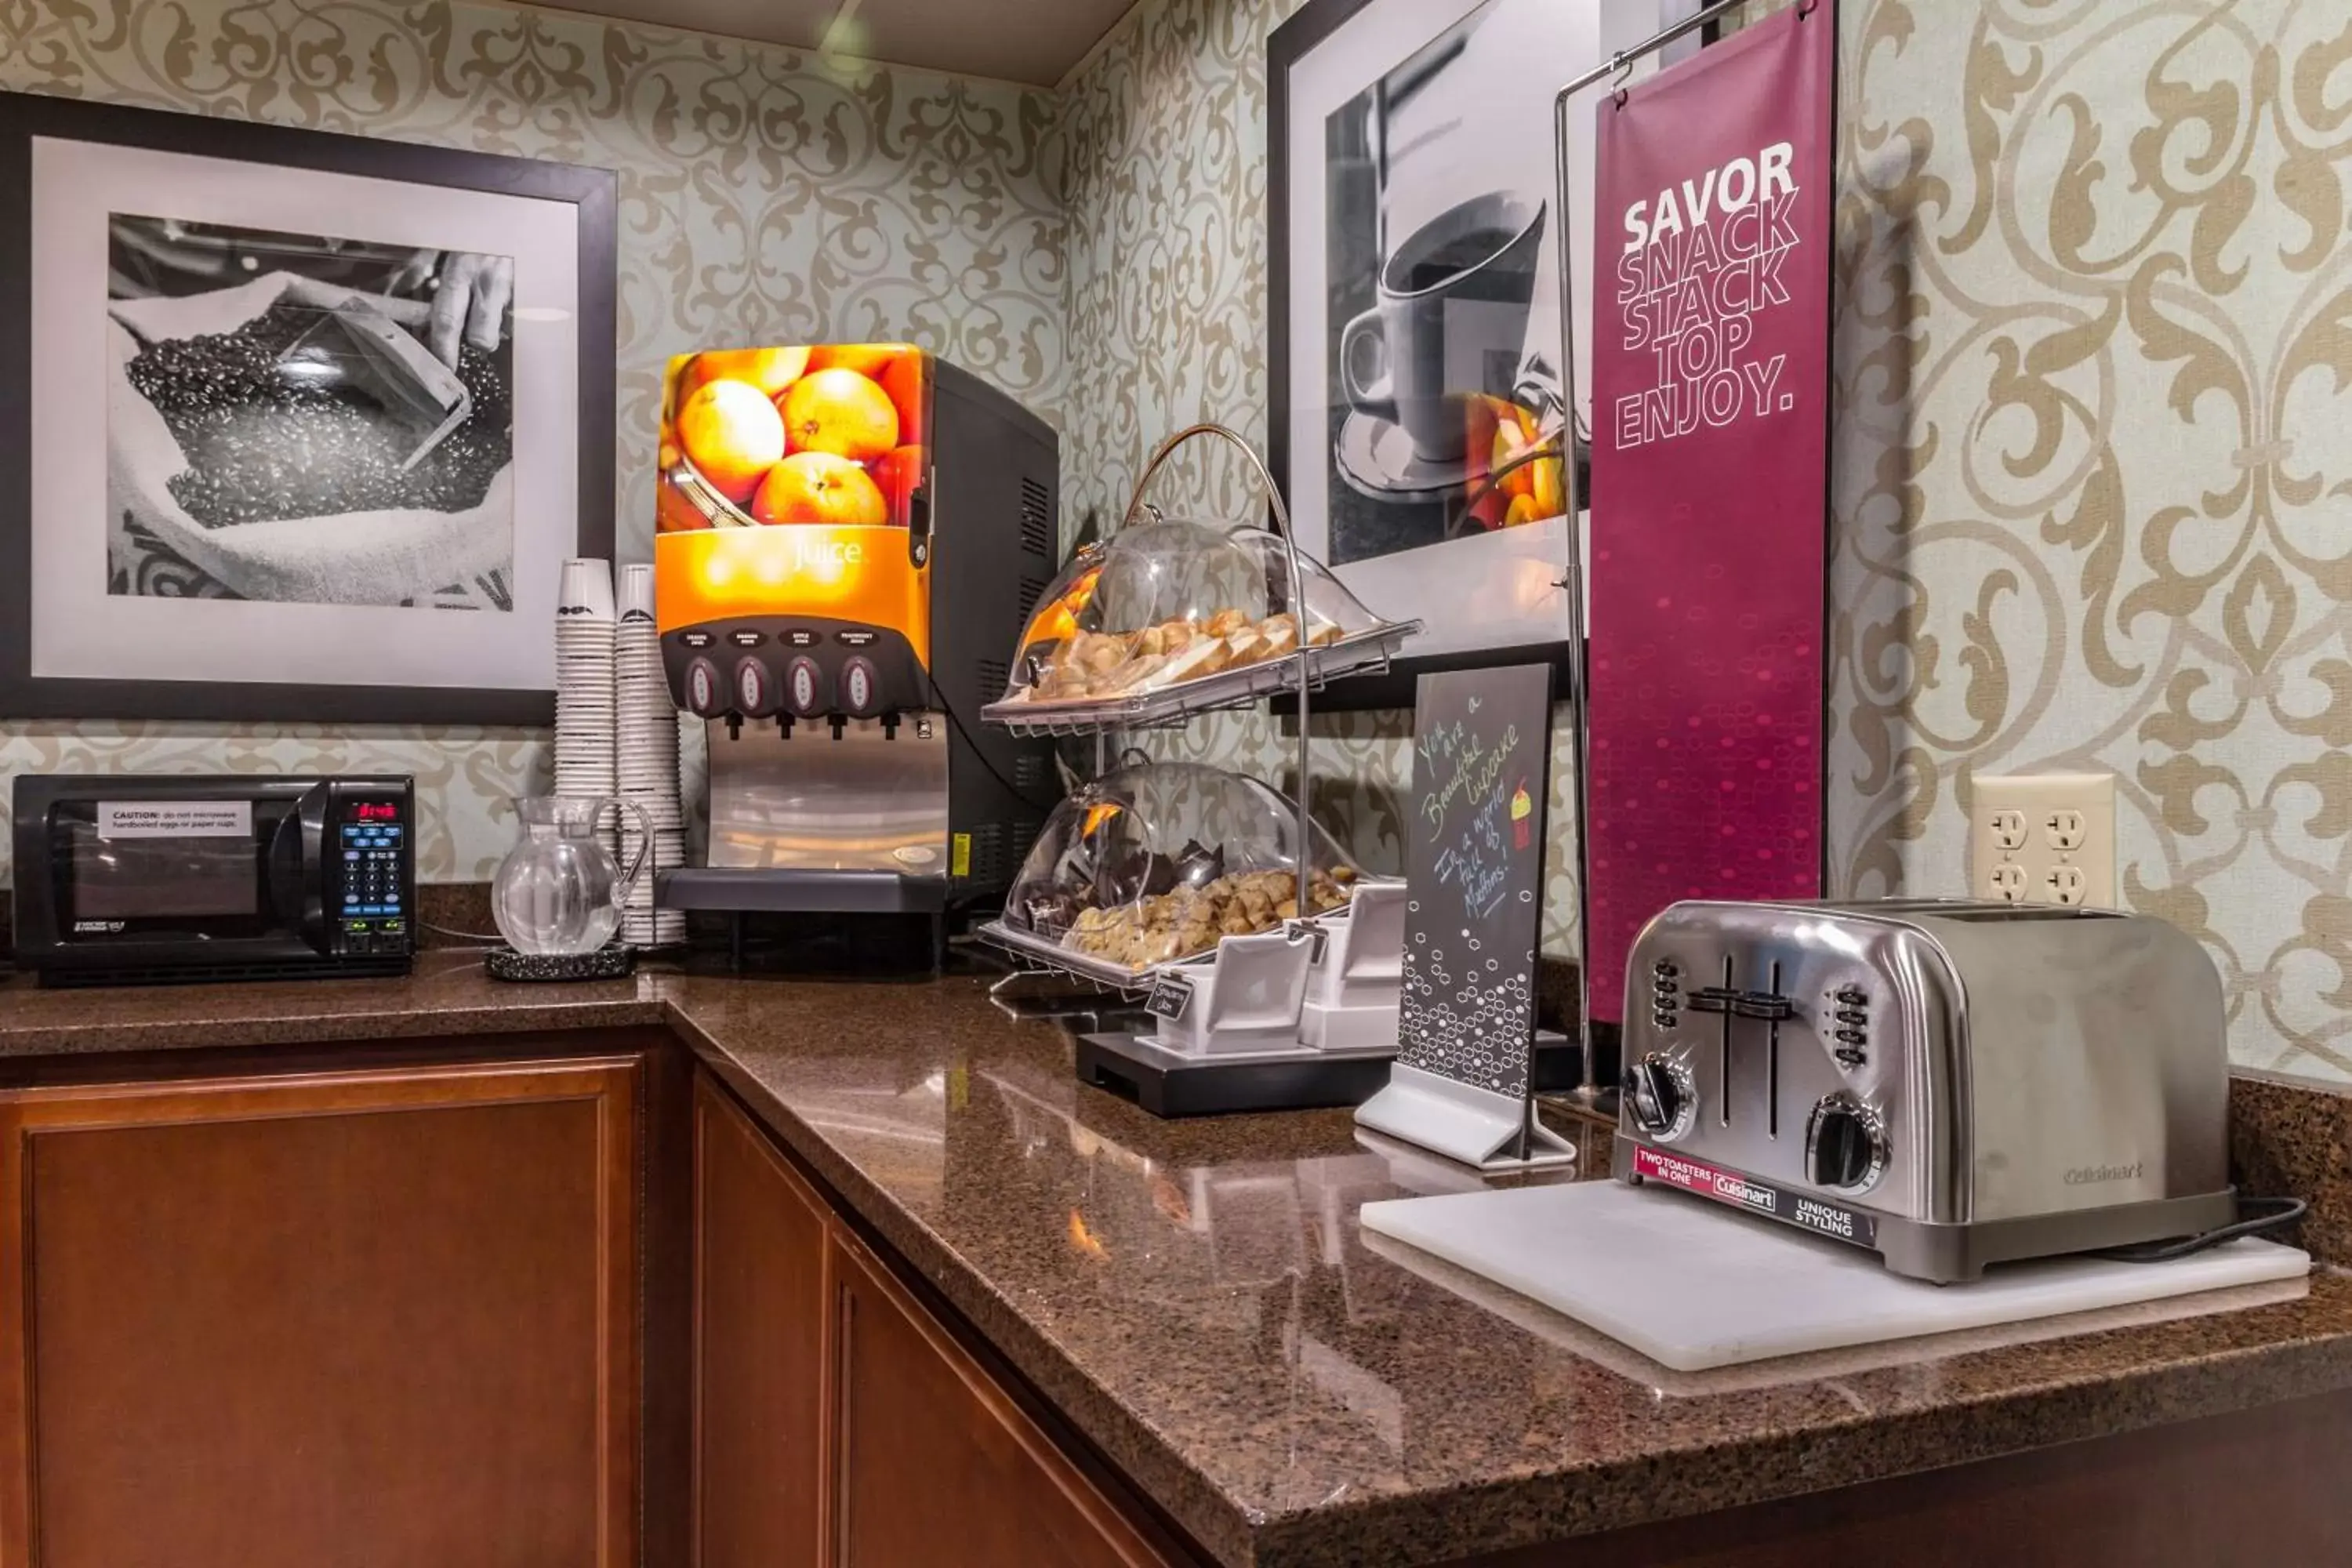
(1352, 994)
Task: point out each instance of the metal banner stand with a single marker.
(1587, 1092)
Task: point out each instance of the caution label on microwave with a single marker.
(175, 819)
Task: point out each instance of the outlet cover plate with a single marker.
(2041, 870)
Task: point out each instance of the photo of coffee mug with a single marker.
(1450, 321)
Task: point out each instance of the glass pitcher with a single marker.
(557, 892)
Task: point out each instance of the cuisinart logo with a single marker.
(97, 926)
(1698, 1178)
(2088, 1176)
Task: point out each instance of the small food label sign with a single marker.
(1481, 758)
(1172, 995)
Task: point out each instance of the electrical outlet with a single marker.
(2043, 839)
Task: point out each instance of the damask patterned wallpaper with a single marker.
(2094, 343)
(2093, 458)
(762, 198)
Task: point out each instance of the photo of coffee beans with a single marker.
(263, 446)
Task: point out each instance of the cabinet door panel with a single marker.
(935, 1456)
(761, 1404)
(380, 1319)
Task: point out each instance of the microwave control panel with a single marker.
(373, 858)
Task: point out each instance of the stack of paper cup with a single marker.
(585, 691)
(646, 749)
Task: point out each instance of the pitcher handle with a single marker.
(628, 883)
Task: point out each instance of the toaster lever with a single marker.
(1763, 1005)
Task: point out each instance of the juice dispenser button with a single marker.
(861, 684)
(804, 688)
(706, 698)
(755, 693)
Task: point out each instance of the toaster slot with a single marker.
(1768, 1006)
(1728, 997)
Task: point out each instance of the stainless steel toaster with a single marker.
(1952, 1084)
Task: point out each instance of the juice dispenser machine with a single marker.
(851, 539)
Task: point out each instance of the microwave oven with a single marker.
(142, 879)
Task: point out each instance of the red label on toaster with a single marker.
(1822, 1218)
(1723, 1186)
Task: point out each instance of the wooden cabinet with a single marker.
(371, 1319)
(762, 1387)
(929, 1445)
(838, 1421)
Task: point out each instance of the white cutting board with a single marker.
(1693, 1286)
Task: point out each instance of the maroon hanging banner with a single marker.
(1710, 481)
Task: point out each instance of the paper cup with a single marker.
(587, 591)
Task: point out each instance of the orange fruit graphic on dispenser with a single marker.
(769, 370)
(732, 436)
(745, 428)
(866, 359)
(842, 413)
(819, 488)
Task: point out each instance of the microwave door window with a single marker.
(150, 885)
(155, 879)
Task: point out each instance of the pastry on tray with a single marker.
(1167, 603)
(1161, 861)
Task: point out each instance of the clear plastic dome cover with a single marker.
(1166, 602)
(1160, 861)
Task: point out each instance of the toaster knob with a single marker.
(1662, 1095)
(1845, 1145)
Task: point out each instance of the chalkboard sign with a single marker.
(1474, 835)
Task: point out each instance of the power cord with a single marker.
(2283, 1212)
(489, 939)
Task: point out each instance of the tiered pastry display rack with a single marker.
(1165, 883)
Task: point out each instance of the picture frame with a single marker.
(294, 426)
(1359, 92)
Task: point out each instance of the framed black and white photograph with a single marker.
(1416, 410)
(298, 425)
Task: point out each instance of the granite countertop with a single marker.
(1199, 1300)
